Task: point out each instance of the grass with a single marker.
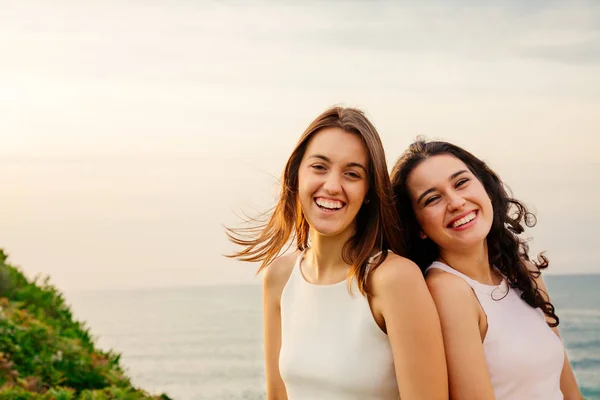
(46, 354)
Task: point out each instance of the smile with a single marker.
(329, 204)
(462, 221)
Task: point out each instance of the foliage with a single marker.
(45, 353)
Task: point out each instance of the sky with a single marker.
(132, 131)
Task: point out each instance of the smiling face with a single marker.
(450, 203)
(333, 181)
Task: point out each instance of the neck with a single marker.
(473, 262)
(324, 258)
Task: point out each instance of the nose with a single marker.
(455, 202)
(332, 184)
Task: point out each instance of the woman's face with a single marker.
(450, 203)
(333, 181)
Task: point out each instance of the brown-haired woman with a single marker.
(324, 340)
(462, 228)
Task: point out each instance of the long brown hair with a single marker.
(507, 251)
(377, 225)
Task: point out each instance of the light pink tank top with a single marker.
(524, 356)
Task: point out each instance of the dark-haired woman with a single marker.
(323, 342)
(462, 228)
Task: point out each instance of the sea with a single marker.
(205, 343)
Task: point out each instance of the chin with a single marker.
(474, 240)
(328, 229)
(327, 232)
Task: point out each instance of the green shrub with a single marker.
(45, 353)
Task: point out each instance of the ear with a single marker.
(422, 235)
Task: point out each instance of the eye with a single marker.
(318, 167)
(431, 200)
(353, 175)
(461, 182)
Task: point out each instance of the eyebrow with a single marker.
(352, 164)
(454, 175)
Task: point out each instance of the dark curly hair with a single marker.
(507, 251)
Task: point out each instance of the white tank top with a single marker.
(524, 356)
(331, 346)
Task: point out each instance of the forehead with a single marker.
(338, 146)
(432, 172)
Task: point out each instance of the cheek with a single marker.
(357, 191)
(429, 219)
(478, 191)
(486, 202)
(364, 190)
(306, 185)
(423, 217)
(490, 210)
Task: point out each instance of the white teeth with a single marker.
(464, 220)
(330, 204)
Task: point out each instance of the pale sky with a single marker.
(131, 131)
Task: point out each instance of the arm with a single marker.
(274, 280)
(459, 312)
(413, 329)
(568, 383)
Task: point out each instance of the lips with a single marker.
(462, 219)
(328, 204)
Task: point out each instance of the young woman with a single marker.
(462, 228)
(344, 318)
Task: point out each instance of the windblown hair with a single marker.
(377, 227)
(507, 251)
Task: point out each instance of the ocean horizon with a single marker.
(206, 342)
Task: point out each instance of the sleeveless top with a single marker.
(331, 346)
(524, 356)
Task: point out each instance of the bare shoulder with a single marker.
(530, 266)
(537, 277)
(536, 273)
(396, 274)
(445, 286)
(276, 274)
